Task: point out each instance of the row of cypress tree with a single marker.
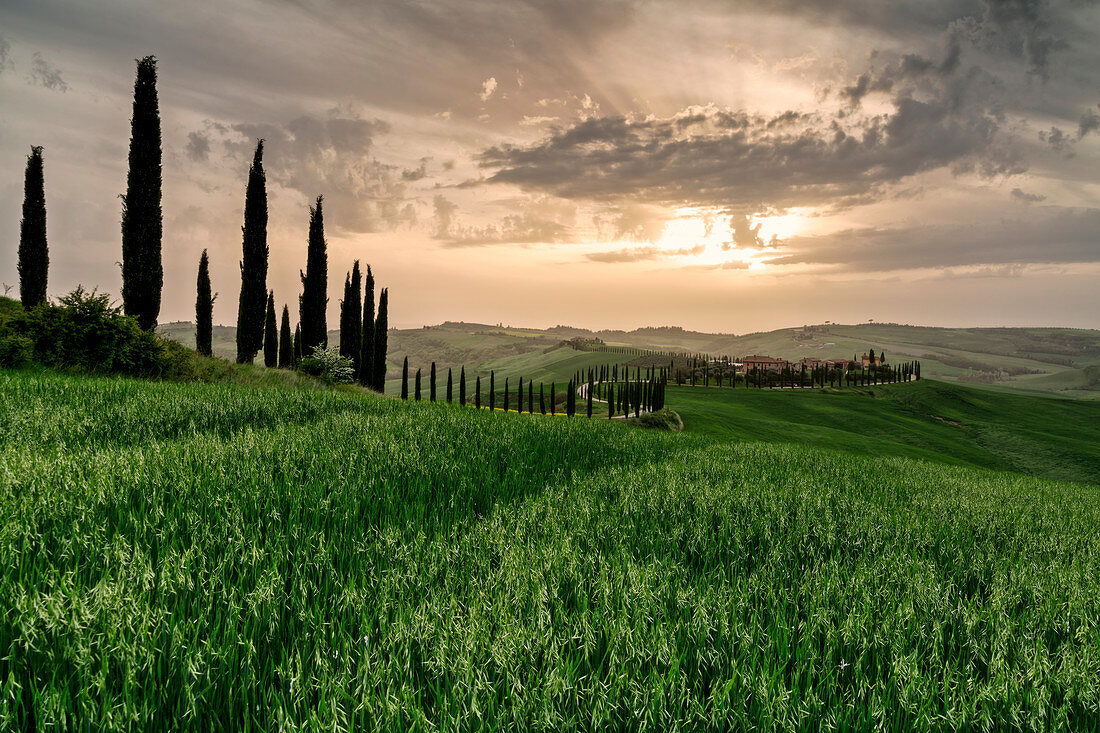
(644, 393)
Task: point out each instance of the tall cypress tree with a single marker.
(351, 318)
(506, 394)
(142, 225)
(492, 391)
(271, 335)
(297, 343)
(356, 319)
(286, 345)
(553, 407)
(519, 402)
(34, 257)
(462, 388)
(366, 348)
(418, 384)
(477, 390)
(204, 309)
(405, 379)
(314, 298)
(254, 252)
(450, 393)
(381, 335)
(431, 387)
(542, 400)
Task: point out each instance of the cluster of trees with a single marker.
(363, 328)
(706, 371)
(623, 394)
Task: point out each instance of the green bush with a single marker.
(15, 348)
(84, 331)
(327, 364)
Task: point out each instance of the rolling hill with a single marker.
(1059, 361)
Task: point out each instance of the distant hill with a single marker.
(1060, 361)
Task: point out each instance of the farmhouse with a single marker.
(764, 363)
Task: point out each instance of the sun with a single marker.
(706, 237)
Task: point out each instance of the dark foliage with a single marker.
(142, 271)
(34, 258)
(254, 252)
(286, 342)
(204, 309)
(314, 298)
(271, 335)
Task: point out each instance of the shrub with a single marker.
(85, 331)
(329, 365)
(15, 349)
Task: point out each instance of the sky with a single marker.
(729, 166)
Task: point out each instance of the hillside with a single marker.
(1042, 436)
(1064, 362)
(235, 557)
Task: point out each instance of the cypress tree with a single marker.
(351, 318)
(542, 400)
(254, 252)
(34, 257)
(492, 391)
(610, 400)
(431, 387)
(553, 407)
(314, 298)
(142, 224)
(519, 402)
(297, 343)
(506, 394)
(462, 387)
(271, 336)
(365, 375)
(589, 395)
(418, 384)
(477, 392)
(449, 392)
(286, 346)
(381, 336)
(204, 309)
(405, 379)
(530, 396)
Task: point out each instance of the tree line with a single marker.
(623, 394)
(363, 327)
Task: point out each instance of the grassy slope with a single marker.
(1043, 436)
(218, 555)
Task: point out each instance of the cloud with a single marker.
(198, 146)
(1027, 198)
(330, 154)
(534, 121)
(737, 161)
(415, 174)
(746, 234)
(1066, 236)
(44, 74)
(487, 88)
(539, 220)
(633, 221)
(1090, 122)
(637, 254)
(5, 55)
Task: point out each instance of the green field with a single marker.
(1043, 436)
(227, 557)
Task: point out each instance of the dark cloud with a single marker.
(1063, 237)
(330, 154)
(198, 146)
(45, 74)
(538, 221)
(1027, 198)
(1090, 122)
(5, 55)
(747, 163)
(415, 174)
